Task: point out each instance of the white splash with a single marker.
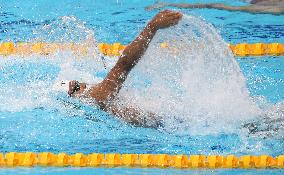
(195, 84)
(65, 29)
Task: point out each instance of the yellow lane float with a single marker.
(115, 49)
(47, 159)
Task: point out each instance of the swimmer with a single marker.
(105, 93)
(274, 7)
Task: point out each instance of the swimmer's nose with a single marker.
(74, 86)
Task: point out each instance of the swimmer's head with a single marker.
(76, 88)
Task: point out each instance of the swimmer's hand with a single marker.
(165, 19)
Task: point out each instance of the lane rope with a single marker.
(115, 49)
(47, 159)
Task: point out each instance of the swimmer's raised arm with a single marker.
(105, 92)
(275, 9)
(111, 85)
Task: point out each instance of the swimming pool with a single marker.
(35, 118)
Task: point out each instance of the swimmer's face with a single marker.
(76, 88)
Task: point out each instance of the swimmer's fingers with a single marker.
(166, 19)
(176, 16)
(173, 16)
(174, 19)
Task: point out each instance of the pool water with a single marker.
(34, 117)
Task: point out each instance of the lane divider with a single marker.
(25, 49)
(115, 49)
(47, 159)
(257, 49)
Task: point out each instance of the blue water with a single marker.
(34, 118)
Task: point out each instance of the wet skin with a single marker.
(105, 93)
